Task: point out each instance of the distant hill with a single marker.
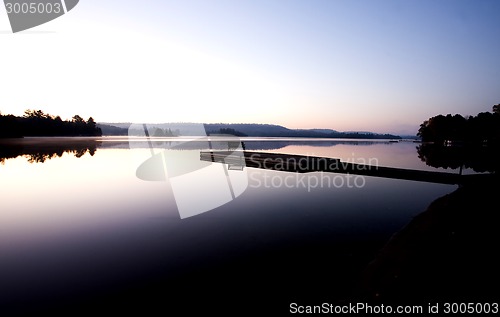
(110, 129)
(323, 130)
(245, 129)
(257, 130)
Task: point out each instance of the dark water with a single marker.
(80, 232)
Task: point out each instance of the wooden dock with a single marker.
(308, 164)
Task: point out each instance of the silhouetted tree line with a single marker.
(456, 142)
(483, 128)
(38, 123)
(369, 136)
(227, 131)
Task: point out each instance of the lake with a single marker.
(79, 230)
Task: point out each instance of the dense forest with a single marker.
(38, 123)
(226, 131)
(484, 128)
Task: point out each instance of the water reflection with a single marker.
(93, 236)
(258, 145)
(220, 143)
(478, 158)
(39, 150)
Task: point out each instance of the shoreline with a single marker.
(444, 253)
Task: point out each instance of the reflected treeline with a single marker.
(479, 158)
(41, 150)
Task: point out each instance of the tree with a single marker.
(92, 128)
(424, 130)
(496, 109)
(91, 125)
(78, 119)
(39, 114)
(442, 128)
(159, 132)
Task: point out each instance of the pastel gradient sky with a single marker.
(382, 66)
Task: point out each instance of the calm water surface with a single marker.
(77, 231)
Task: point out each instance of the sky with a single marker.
(381, 66)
